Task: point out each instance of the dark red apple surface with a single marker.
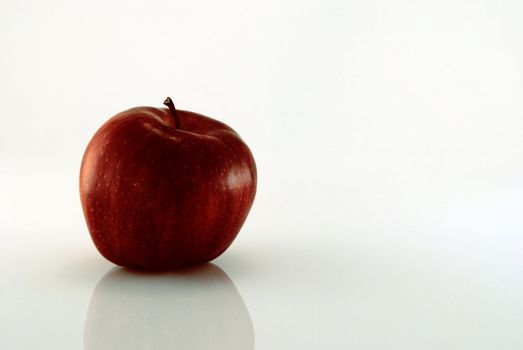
(165, 188)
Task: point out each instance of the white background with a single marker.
(389, 143)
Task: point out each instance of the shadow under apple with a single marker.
(198, 308)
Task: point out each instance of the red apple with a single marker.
(165, 188)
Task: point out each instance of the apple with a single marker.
(163, 188)
(195, 308)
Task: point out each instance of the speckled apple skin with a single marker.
(159, 197)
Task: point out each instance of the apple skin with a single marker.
(163, 189)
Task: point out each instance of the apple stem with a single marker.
(169, 103)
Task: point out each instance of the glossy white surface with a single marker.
(389, 145)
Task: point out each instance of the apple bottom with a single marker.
(140, 243)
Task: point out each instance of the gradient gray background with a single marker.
(389, 143)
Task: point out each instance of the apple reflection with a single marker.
(197, 308)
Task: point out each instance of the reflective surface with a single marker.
(367, 292)
(193, 309)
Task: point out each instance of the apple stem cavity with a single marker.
(169, 103)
